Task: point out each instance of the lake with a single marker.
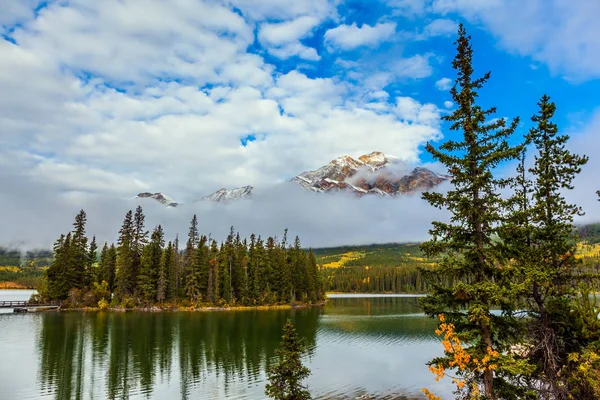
(357, 345)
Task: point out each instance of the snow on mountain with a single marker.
(229, 194)
(371, 174)
(367, 175)
(160, 197)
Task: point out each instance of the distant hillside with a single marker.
(395, 267)
(377, 268)
(589, 233)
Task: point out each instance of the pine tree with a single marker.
(126, 276)
(285, 377)
(79, 250)
(213, 278)
(469, 275)
(90, 272)
(544, 244)
(99, 277)
(167, 277)
(150, 265)
(58, 274)
(111, 267)
(224, 260)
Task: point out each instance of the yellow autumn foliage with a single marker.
(346, 257)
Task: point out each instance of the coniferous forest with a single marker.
(143, 270)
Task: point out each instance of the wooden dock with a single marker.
(23, 306)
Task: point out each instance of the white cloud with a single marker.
(448, 104)
(286, 32)
(560, 33)
(348, 37)
(438, 27)
(285, 9)
(443, 84)
(282, 39)
(410, 110)
(99, 101)
(14, 12)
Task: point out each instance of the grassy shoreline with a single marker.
(175, 308)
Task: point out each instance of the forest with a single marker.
(140, 270)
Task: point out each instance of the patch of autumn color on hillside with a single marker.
(11, 285)
(9, 268)
(346, 257)
(588, 250)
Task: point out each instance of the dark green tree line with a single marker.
(140, 272)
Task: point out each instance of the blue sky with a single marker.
(116, 97)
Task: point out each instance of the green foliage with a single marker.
(540, 239)
(381, 268)
(139, 272)
(285, 377)
(467, 282)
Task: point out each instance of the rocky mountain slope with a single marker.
(367, 175)
(371, 174)
(160, 197)
(229, 194)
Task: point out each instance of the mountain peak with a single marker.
(160, 197)
(225, 194)
(367, 175)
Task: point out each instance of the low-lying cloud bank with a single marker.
(318, 219)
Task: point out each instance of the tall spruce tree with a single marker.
(125, 273)
(469, 276)
(79, 251)
(543, 243)
(150, 265)
(285, 377)
(90, 272)
(168, 275)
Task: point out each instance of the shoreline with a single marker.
(193, 309)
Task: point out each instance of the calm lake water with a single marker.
(357, 345)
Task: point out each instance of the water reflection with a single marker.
(374, 346)
(134, 350)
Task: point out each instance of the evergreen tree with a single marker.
(285, 377)
(202, 267)
(543, 242)
(470, 274)
(79, 251)
(224, 260)
(125, 273)
(213, 278)
(90, 272)
(150, 266)
(111, 267)
(314, 285)
(58, 275)
(99, 277)
(168, 275)
(140, 238)
(197, 275)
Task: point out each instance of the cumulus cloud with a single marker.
(438, 27)
(560, 33)
(348, 37)
(282, 39)
(443, 84)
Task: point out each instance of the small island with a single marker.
(141, 273)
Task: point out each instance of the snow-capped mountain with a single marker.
(229, 194)
(367, 175)
(160, 197)
(374, 173)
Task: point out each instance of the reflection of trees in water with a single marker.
(130, 352)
